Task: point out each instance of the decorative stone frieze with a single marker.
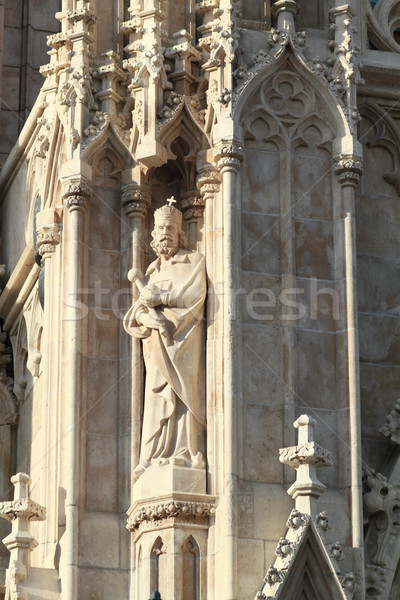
(174, 509)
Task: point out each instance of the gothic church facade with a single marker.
(273, 128)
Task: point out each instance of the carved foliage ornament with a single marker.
(76, 196)
(391, 428)
(311, 453)
(228, 155)
(174, 508)
(381, 505)
(135, 200)
(348, 169)
(302, 527)
(25, 509)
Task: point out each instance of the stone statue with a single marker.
(169, 317)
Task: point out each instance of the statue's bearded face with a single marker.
(166, 238)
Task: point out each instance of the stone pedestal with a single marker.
(170, 535)
(159, 481)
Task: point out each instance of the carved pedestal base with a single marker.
(170, 534)
(158, 481)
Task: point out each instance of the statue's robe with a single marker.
(174, 416)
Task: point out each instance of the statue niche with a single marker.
(168, 317)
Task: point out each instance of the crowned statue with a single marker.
(168, 317)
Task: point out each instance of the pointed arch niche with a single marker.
(190, 570)
(158, 567)
(291, 256)
(178, 178)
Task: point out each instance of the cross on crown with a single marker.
(168, 211)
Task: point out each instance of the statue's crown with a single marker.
(169, 212)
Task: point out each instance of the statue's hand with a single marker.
(147, 320)
(150, 295)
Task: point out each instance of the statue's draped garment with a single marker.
(174, 409)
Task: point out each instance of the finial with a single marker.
(305, 458)
(171, 201)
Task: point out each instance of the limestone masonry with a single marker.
(200, 300)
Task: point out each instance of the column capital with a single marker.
(208, 182)
(192, 205)
(76, 195)
(47, 232)
(228, 155)
(136, 200)
(348, 169)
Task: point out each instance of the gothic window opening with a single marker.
(190, 570)
(158, 567)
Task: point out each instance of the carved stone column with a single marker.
(48, 238)
(20, 542)
(136, 201)
(76, 198)
(193, 210)
(228, 157)
(348, 169)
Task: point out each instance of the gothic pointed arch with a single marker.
(381, 142)
(183, 125)
(105, 144)
(307, 88)
(191, 569)
(158, 567)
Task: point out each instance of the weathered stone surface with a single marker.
(257, 139)
(261, 242)
(262, 349)
(264, 435)
(314, 249)
(99, 541)
(316, 362)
